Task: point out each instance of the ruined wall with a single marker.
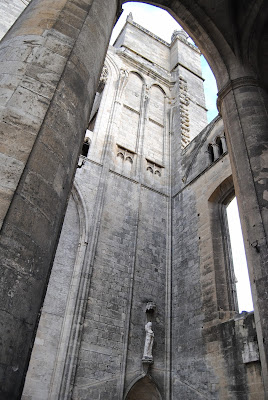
(209, 340)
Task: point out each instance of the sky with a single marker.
(239, 258)
(160, 22)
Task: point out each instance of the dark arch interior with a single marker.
(210, 153)
(144, 389)
(219, 144)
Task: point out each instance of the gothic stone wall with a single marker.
(208, 340)
(124, 194)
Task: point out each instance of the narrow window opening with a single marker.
(243, 288)
(219, 144)
(211, 153)
(85, 147)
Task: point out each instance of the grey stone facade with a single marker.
(145, 224)
(139, 229)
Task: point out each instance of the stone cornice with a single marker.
(192, 46)
(150, 33)
(179, 64)
(232, 85)
(185, 41)
(127, 54)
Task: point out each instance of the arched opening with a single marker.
(144, 389)
(211, 153)
(85, 147)
(232, 281)
(239, 261)
(219, 144)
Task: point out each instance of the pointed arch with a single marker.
(143, 388)
(159, 87)
(57, 330)
(133, 90)
(139, 75)
(131, 110)
(155, 125)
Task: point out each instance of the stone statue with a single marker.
(149, 340)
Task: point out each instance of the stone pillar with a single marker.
(216, 151)
(224, 145)
(51, 60)
(243, 105)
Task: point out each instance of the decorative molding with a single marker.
(131, 109)
(182, 36)
(94, 162)
(123, 176)
(158, 164)
(103, 78)
(150, 307)
(122, 52)
(154, 190)
(155, 122)
(149, 33)
(122, 81)
(125, 154)
(104, 74)
(184, 112)
(154, 168)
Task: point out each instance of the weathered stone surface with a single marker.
(149, 214)
(66, 79)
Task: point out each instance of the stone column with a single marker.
(216, 151)
(224, 145)
(243, 105)
(51, 60)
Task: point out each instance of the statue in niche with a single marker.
(149, 340)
